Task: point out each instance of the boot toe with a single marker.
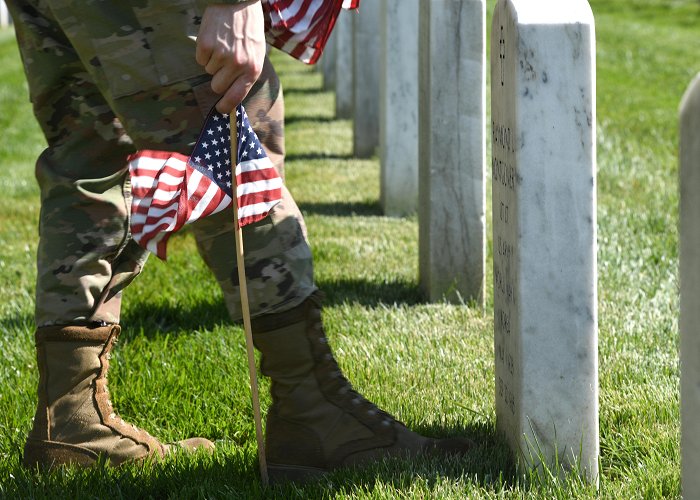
(192, 444)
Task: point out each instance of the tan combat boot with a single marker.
(317, 422)
(75, 421)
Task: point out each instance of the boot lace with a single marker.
(340, 385)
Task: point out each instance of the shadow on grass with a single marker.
(293, 119)
(232, 472)
(290, 91)
(318, 156)
(369, 294)
(158, 317)
(342, 208)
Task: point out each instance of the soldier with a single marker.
(106, 79)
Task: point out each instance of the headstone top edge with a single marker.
(692, 93)
(542, 12)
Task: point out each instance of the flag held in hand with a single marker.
(171, 190)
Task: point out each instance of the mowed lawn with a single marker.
(180, 370)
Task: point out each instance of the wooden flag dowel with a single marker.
(245, 309)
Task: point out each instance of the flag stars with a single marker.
(214, 142)
(228, 173)
(207, 156)
(217, 152)
(259, 151)
(219, 128)
(210, 132)
(205, 145)
(219, 176)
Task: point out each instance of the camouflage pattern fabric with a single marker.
(108, 78)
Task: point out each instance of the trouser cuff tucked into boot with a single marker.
(317, 422)
(75, 421)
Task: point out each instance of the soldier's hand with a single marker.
(231, 47)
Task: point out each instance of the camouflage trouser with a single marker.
(102, 82)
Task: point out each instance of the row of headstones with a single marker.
(412, 76)
(373, 62)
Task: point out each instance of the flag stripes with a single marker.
(301, 27)
(170, 190)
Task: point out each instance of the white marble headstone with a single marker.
(690, 289)
(398, 107)
(452, 149)
(365, 63)
(328, 62)
(343, 33)
(544, 231)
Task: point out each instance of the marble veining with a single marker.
(451, 149)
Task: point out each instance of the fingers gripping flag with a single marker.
(170, 190)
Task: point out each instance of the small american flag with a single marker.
(170, 190)
(301, 27)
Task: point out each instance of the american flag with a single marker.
(301, 27)
(170, 190)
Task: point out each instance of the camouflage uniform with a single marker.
(109, 78)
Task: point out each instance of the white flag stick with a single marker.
(245, 308)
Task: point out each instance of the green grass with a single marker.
(181, 371)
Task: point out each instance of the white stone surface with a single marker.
(452, 150)
(5, 18)
(690, 290)
(328, 62)
(398, 107)
(343, 64)
(366, 78)
(544, 231)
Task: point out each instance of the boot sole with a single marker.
(293, 473)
